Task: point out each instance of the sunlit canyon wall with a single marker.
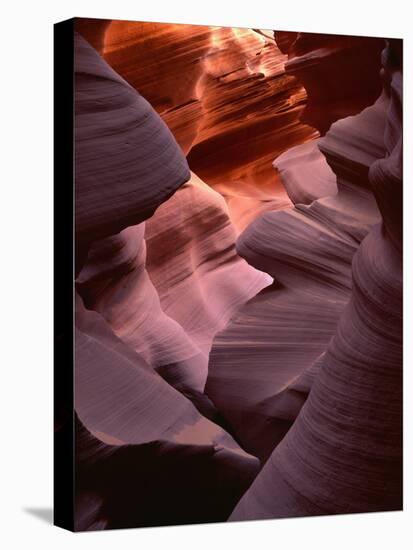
(238, 239)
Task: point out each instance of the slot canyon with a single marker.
(238, 227)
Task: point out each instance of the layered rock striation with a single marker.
(283, 332)
(127, 348)
(125, 163)
(169, 305)
(341, 74)
(224, 94)
(238, 278)
(193, 263)
(343, 453)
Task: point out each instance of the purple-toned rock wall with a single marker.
(239, 278)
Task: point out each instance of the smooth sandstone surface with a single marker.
(193, 263)
(127, 162)
(341, 74)
(344, 452)
(122, 402)
(308, 249)
(131, 412)
(168, 285)
(239, 280)
(224, 94)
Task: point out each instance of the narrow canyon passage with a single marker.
(226, 179)
(227, 99)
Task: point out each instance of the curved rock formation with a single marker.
(93, 30)
(293, 167)
(191, 245)
(218, 89)
(343, 453)
(308, 249)
(191, 253)
(190, 369)
(127, 163)
(132, 414)
(126, 159)
(142, 483)
(115, 283)
(252, 111)
(341, 74)
(165, 64)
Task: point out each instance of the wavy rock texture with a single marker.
(165, 63)
(131, 413)
(308, 249)
(125, 409)
(191, 253)
(343, 453)
(341, 74)
(218, 89)
(226, 97)
(146, 303)
(115, 283)
(293, 167)
(236, 146)
(341, 77)
(200, 354)
(126, 160)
